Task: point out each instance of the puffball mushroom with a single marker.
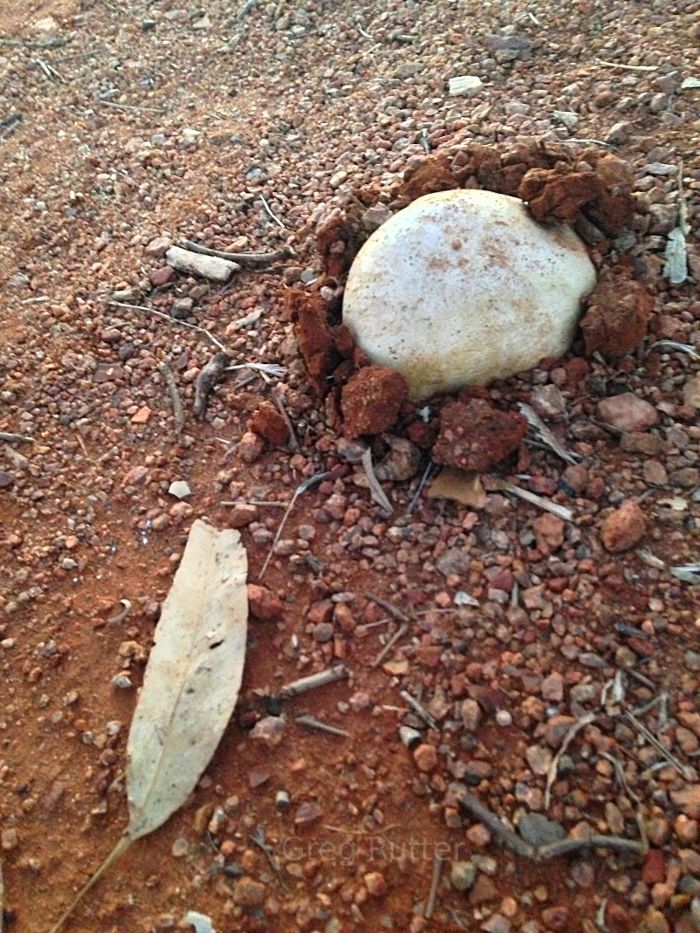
(464, 287)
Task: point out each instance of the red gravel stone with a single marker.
(425, 757)
(263, 603)
(627, 413)
(623, 528)
(654, 868)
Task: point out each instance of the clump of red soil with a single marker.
(474, 435)
(268, 423)
(371, 401)
(617, 314)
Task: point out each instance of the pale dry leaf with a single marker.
(190, 686)
(465, 488)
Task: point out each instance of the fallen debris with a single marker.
(206, 266)
(253, 259)
(313, 681)
(209, 376)
(178, 411)
(378, 494)
(561, 510)
(545, 436)
(301, 488)
(465, 488)
(563, 847)
(676, 265)
(312, 723)
(190, 685)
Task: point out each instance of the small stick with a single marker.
(497, 826)
(301, 488)
(122, 614)
(312, 723)
(392, 610)
(260, 502)
(16, 438)
(438, 862)
(604, 64)
(377, 493)
(272, 213)
(171, 320)
(2, 900)
(254, 258)
(417, 708)
(568, 738)
(569, 846)
(533, 499)
(178, 411)
(277, 399)
(421, 486)
(399, 633)
(113, 103)
(652, 740)
(258, 839)
(304, 684)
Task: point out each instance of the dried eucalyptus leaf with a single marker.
(190, 686)
(192, 679)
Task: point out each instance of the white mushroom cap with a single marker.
(464, 287)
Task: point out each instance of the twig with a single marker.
(304, 684)
(258, 839)
(419, 709)
(246, 8)
(16, 438)
(589, 142)
(254, 258)
(53, 43)
(118, 106)
(122, 614)
(10, 124)
(312, 723)
(171, 320)
(438, 862)
(385, 604)
(569, 846)
(421, 486)
(178, 411)
(399, 633)
(568, 738)
(378, 494)
(2, 900)
(604, 64)
(277, 399)
(546, 852)
(500, 829)
(680, 347)
(652, 740)
(533, 499)
(363, 32)
(546, 436)
(272, 213)
(301, 488)
(49, 70)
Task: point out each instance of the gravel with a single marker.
(245, 130)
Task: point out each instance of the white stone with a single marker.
(180, 489)
(465, 85)
(464, 287)
(209, 267)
